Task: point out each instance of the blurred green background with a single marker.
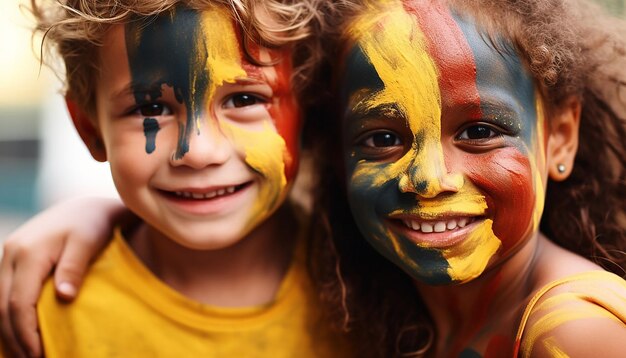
(41, 158)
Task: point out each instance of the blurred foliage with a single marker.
(617, 7)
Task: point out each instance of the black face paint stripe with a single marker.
(150, 129)
(170, 50)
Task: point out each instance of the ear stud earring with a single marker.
(561, 168)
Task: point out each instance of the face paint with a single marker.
(190, 62)
(260, 148)
(227, 129)
(150, 129)
(413, 91)
(194, 63)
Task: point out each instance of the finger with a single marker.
(28, 278)
(9, 343)
(73, 265)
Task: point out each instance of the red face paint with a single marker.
(466, 153)
(283, 106)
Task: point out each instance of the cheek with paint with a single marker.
(282, 107)
(264, 151)
(510, 175)
(284, 110)
(150, 130)
(507, 177)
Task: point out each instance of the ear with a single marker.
(563, 139)
(87, 130)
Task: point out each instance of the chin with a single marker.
(202, 238)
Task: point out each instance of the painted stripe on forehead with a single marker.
(457, 77)
(178, 50)
(450, 50)
(501, 75)
(360, 76)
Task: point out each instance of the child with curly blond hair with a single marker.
(195, 106)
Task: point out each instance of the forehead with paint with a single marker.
(194, 53)
(442, 139)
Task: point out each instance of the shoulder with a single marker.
(103, 274)
(579, 315)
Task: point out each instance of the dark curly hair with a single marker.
(572, 48)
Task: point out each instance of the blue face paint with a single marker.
(170, 50)
(434, 198)
(150, 129)
(506, 89)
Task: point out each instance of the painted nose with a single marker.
(202, 147)
(427, 175)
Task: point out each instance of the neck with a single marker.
(247, 273)
(465, 314)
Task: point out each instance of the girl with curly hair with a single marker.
(483, 157)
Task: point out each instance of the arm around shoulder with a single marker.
(68, 236)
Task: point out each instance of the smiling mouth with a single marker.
(204, 195)
(438, 226)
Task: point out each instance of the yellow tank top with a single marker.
(123, 310)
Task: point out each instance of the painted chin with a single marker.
(436, 234)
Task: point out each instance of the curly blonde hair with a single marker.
(74, 29)
(572, 48)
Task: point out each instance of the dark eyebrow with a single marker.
(501, 113)
(502, 107)
(385, 110)
(490, 105)
(134, 89)
(249, 81)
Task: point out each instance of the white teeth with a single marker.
(426, 227)
(209, 195)
(439, 226)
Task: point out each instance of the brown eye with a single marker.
(479, 131)
(242, 100)
(154, 110)
(382, 140)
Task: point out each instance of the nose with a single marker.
(204, 145)
(427, 175)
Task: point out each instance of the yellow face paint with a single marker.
(538, 162)
(469, 259)
(407, 80)
(197, 56)
(264, 151)
(220, 54)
